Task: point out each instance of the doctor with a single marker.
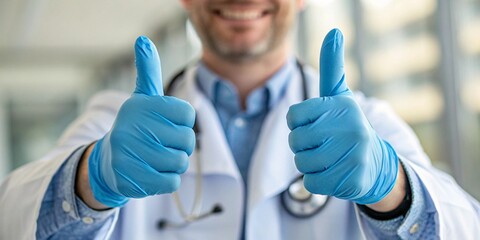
(237, 133)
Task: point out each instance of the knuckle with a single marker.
(302, 163)
(135, 104)
(189, 139)
(181, 162)
(350, 102)
(294, 115)
(186, 136)
(184, 109)
(293, 141)
(189, 114)
(171, 183)
(315, 183)
(129, 104)
(189, 134)
(291, 118)
(310, 184)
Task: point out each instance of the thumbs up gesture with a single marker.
(335, 146)
(148, 146)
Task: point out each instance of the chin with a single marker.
(243, 53)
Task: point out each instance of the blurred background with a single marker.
(422, 56)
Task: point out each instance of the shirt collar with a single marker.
(207, 80)
(277, 84)
(275, 87)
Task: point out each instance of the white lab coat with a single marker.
(272, 169)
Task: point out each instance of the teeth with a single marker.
(241, 15)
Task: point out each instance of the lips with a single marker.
(242, 12)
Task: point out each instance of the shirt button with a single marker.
(414, 228)
(66, 206)
(239, 123)
(87, 220)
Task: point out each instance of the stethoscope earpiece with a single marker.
(217, 209)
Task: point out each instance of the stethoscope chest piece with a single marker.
(299, 202)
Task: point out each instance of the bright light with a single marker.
(469, 94)
(468, 37)
(418, 54)
(376, 4)
(397, 14)
(417, 104)
(319, 3)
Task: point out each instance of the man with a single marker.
(112, 171)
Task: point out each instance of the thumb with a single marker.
(332, 72)
(149, 73)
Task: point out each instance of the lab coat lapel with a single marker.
(272, 167)
(214, 153)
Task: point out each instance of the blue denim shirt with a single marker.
(64, 216)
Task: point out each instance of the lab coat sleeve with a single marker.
(456, 214)
(63, 215)
(421, 216)
(22, 191)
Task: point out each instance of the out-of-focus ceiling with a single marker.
(55, 32)
(52, 49)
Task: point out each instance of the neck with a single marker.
(247, 75)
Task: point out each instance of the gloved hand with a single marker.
(335, 146)
(148, 146)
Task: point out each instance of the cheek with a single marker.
(286, 14)
(200, 20)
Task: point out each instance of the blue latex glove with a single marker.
(335, 146)
(148, 146)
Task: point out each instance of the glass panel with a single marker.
(468, 19)
(402, 66)
(394, 53)
(35, 127)
(321, 16)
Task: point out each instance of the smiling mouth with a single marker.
(243, 15)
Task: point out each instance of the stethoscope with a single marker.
(296, 200)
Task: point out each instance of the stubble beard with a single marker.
(240, 53)
(243, 53)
